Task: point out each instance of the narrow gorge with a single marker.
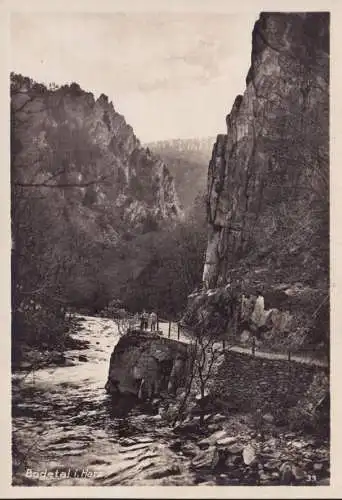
(268, 192)
(170, 298)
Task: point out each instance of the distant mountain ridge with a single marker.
(200, 144)
(187, 160)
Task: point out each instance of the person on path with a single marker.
(153, 321)
(144, 320)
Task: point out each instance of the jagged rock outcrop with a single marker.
(65, 136)
(86, 196)
(271, 167)
(268, 179)
(144, 365)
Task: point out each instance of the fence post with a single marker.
(289, 361)
(253, 346)
(178, 331)
(289, 374)
(157, 322)
(224, 344)
(169, 328)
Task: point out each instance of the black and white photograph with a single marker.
(170, 248)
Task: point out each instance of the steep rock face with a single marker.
(268, 179)
(143, 365)
(88, 201)
(271, 168)
(64, 136)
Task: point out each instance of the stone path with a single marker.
(164, 327)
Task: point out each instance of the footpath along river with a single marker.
(68, 432)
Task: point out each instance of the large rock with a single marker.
(276, 146)
(143, 364)
(138, 189)
(268, 203)
(110, 195)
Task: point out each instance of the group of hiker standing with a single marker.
(148, 321)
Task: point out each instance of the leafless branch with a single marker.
(64, 185)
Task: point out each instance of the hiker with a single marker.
(153, 321)
(144, 320)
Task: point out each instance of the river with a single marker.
(68, 432)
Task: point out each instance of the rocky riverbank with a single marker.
(28, 358)
(231, 450)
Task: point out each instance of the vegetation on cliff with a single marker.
(94, 214)
(187, 161)
(268, 181)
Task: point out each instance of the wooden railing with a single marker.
(174, 329)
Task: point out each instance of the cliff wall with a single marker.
(268, 179)
(88, 201)
(64, 136)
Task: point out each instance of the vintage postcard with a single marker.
(172, 249)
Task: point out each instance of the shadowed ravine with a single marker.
(65, 420)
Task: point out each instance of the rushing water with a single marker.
(69, 432)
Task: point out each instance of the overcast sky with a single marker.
(171, 75)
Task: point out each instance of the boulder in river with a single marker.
(144, 365)
(58, 358)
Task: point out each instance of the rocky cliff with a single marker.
(64, 136)
(268, 179)
(85, 194)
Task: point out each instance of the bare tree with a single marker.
(206, 356)
(122, 322)
(122, 319)
(46, 252)
(202, 357)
